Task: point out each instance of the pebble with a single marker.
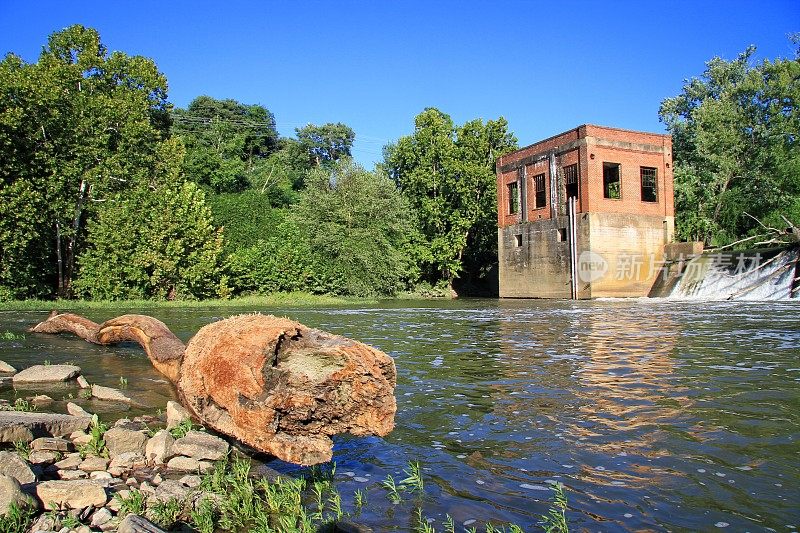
(628, 515)
(360, 479)
(722, 524)
(534, 487)
(469, 522)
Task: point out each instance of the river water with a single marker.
(655, 415)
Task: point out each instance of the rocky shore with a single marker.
(69, 472)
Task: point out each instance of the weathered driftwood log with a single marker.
(270, 382)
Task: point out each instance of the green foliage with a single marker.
(182, 429)
(20, 404)
(22, 448)
(246, 217)
(555, 521)
(134, 503)
(96, 445)
(11, 336)
(448, 175)
(225, 140)
(392, 490)
(413, 481)
(357, 224)
(77, 126)
(17, 519)
(153, 244)
(165, 514)
(327, 143)
(736, 148)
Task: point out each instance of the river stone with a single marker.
(93, 463)
(159, 448)
(82, 383)
(5, 367)
(80, 438)
(199, 445)
(120, 440)
(72, 494)
(127, 460)
(5, 381)
(47, 374)
(100, 517)
(41, 400)
(52, 444)
(71, 461)
(18, 426)
(169, 489)
(346, 526)
(14, 466)
(191, 481)
(176, 414)
(107, 393)
(76, 410)
(137, 524)
(189, 464)
(11, 492)
(37, 457)
(70, 475)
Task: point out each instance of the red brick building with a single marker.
(618, 186)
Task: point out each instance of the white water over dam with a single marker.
(752, 275)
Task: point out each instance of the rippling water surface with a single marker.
(655, 415)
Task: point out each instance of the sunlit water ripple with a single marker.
(655, 415)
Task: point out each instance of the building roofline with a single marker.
(576, 128)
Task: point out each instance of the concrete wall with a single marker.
(539, 268)
(632, 247)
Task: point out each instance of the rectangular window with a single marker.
(611, 184)
(513, 198)
(649, 184)
(571, 181)
(518, 240)
(541, 194)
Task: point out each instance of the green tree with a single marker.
(227, 141)
(76, 127)
(327, 143)
(358, 224)
(735, 133)
(448, 175)
(153, 244)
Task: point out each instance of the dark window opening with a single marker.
(518, 240)
(571, 181)
(611, 184)
(649, 184)
(513, 198)
(541, 194)
(562, 235)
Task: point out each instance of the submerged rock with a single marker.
(18, 426)
(47, 374)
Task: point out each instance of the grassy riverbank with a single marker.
(291, 299)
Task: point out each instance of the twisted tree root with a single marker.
(272, 383)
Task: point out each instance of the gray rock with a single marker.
(159, 448)
(11, 492)
(109, 394)
(76, 410)
(13, 465)
(52, 444)
(82, 383)
(189, 464)
(169, 489)
(176, 414)
(47, 374)
(80, 438)
(69, 462)
(127, 460)
(191, 481)
(21, 426)
(199, 445)
(100, 474)
(71, 494)
(5, 381)
(120, 440)
(45, 522)
(93, 463)
(137, 524)
(5, 367)
(100, 517)
(70, 475)
(42, 457)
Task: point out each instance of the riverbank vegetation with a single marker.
(108, 192)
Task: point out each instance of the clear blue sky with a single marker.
(544, 66)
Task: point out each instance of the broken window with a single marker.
(513, 198)
(571, 181)
(518, 240)
(541, 194)
(611, 184)
(649, 184)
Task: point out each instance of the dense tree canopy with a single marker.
(736, 136)
(448, 175)
(327, 143)
(75, 128)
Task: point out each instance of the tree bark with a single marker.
(270, 382)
